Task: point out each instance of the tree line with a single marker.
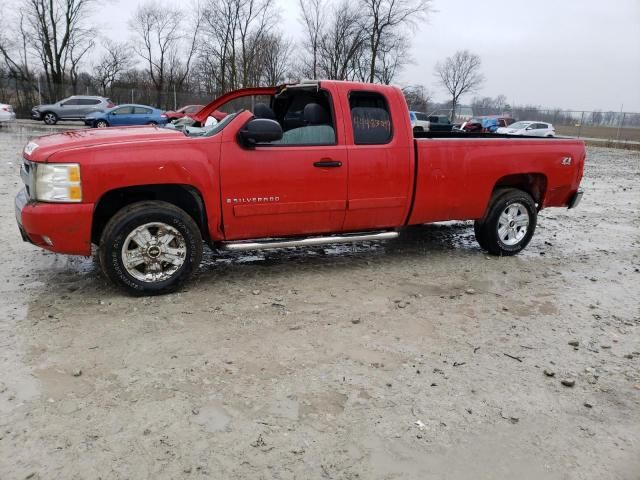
(208, 48)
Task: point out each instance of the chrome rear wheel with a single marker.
(513, 224)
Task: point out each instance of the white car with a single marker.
(6, 113)
(419, 121)
(530, 129)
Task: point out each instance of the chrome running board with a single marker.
(306, 242)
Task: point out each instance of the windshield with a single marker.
(519, 125)
(206, 131)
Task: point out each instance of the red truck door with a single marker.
(285, 189)
(380, 158)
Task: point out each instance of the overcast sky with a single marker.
(574, 54)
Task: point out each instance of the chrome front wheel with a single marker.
(153, 252)
(150, 247)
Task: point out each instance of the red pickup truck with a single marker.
(305, 164)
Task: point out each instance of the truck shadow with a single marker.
(415, 241)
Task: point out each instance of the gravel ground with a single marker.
(420, 358)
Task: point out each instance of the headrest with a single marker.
(262, 110)
(315, 114)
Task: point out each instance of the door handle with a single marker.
(327, 163)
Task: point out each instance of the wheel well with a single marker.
(535, 184)
(185, 197)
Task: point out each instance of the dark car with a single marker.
(181, 112)
(439, 123)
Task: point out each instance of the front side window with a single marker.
(123, 111)
(306, 118)
(370, 118)
(71, 102)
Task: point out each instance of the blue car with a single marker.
(126, 115)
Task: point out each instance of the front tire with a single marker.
(150, 247)
(50, 118)
(509, 224)
(101, 124)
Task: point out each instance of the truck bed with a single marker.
(456, 173)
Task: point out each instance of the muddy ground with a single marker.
(420, 358)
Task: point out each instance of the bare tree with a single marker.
(233, 38)
(275, 61)
(341, 43)
(387, 18)
(160, 36)
(489, 105)
(393, 54)
(54, 32)
(459, 74)
(115, 60)
(313, 21)
(418, 98)
(79, 46)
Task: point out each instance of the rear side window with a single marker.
(141, 111)
(88, 101)
(370, 118)
(421, 116)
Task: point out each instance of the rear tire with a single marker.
(150, 248)
(509, 224)
(50, 118)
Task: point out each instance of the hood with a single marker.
(39, 149)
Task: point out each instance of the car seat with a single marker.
(317, 129)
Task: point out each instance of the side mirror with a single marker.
(529, 128)
(260, 130)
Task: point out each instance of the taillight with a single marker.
(6, 109)
(111, 105)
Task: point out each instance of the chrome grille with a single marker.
(28, 176)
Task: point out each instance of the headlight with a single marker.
(58, 182)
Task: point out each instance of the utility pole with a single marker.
(620, 124)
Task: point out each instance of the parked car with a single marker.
(419, 121)
(530, 129)
(440, 123)
(181, 112)
(126, 115)
(486, 124)
(148, 197)
(75, 107)
(7, 114)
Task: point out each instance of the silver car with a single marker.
(75, 107)
(7, 114)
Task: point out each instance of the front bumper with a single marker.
(36, 115)
(58, 227)
(575, 199)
